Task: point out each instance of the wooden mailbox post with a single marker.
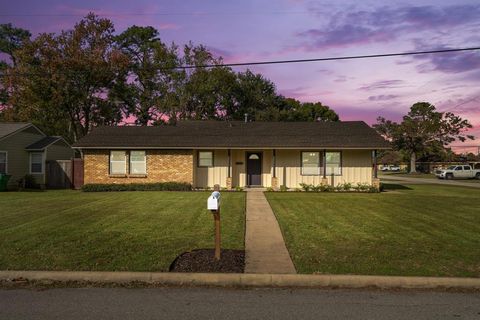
(213, 204)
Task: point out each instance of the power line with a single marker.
(271, 62)
(383, 55)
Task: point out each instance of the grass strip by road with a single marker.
(411, 230)
(111, 231)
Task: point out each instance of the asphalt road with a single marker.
(460, 183)
(204, 303)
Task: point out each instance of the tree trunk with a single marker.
(413, 163)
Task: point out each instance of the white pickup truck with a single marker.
(458, 172)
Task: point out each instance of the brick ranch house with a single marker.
(231, 154)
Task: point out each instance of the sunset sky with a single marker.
(244, 30)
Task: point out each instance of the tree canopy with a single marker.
(423, 131)
(69, 82)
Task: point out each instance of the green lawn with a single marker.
(407, 175)
(136, 231)
(414, 230)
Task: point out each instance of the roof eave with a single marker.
(241, 147)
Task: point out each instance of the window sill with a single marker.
(117, 175)
(142, 175)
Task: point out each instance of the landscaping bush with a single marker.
(160, 186)
(306, 187)
(28, 182)
(343, 187)
(283, 188)
(362, 187)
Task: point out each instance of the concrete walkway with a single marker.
(265, 250)
(471, 184)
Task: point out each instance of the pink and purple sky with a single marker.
(250, 30)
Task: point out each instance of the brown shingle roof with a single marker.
(237, 134)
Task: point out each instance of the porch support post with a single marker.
(324, 166)
(274, 160)
(229, 169)
(274, 166)
(375, 180)
(229, 163)
(374, 159)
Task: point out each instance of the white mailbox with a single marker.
(213, 202)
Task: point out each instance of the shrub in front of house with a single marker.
(160, 186)
(343, 187)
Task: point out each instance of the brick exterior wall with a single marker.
(162, 166)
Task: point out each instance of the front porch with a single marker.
(265, 168)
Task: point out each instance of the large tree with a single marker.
(423, 129)
(208, 92)
(69, 82)
(152, 77)
(65, 81)
(11, 39)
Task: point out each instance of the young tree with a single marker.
(423, 129)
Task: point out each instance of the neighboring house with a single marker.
(231, 154)
(24, 149)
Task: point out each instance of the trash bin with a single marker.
(4, 181)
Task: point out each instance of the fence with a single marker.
(64, 174)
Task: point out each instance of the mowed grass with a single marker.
(415, 230)
(135, 231)
(407, 175)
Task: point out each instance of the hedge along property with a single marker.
(233, 154)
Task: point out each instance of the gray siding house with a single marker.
(25, 149)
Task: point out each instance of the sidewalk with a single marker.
(265, 250)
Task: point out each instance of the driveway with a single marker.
(472, 184)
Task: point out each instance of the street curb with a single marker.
(245, 280)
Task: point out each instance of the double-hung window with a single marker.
(3, 162)
(138, 162)
(36, 162)
(205, 159)
(310, 163)
(334, 163)
(118, 162)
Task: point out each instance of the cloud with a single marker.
(383, 97)
(345, 35)
(385, 24)
(453, 62)
(383, 84)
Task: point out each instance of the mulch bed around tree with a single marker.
(203, 260)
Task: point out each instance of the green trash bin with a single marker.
(4, 181)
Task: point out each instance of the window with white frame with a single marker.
(138, 162)
(118, 162)
(334, 163)
(205, 159)
(36, 162)
(310, 163)
(3, 162)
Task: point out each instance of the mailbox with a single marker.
(213, 202)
